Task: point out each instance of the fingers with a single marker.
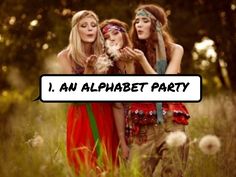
(125, 155)
(130, 50)
(126, 56)
(91, 60)
(125, 151)
(138, 51)
(129, 53)
(92, 57)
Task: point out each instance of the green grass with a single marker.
(21, 119)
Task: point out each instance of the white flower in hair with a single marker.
(113, 51)
(176, 139)
(103, 64)
(209, 144)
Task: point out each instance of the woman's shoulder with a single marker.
(64, 62)
(176, 48)
(63, 54)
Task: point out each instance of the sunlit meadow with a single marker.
(33, 138)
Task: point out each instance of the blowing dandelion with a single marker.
(113, 51)
(103, 64)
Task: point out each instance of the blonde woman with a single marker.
(90, 126)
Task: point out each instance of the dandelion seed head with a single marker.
(113, 51)
(176, 139)
(103, 64)
(37, 141)
(209, 144)
(104, 173)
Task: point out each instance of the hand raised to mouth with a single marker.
(90, 61)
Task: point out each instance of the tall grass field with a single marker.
(33, 136)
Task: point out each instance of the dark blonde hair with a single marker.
(148, 46)
(76, 46)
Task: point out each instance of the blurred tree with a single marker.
(32, 31)
(217, 21)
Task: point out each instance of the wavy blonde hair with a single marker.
(76, 47)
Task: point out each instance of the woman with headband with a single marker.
(92, 139)
(116, 38)
(146, 127)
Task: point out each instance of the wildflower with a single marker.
(37, 141)
(194, 141)
(144, 156)
(42, 169)
(176, 139)
(209, 144)
(104, 173)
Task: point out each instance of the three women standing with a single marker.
(154, 53)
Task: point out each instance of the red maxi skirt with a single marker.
(81, 146)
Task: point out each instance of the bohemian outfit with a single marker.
(91, 133)
(147, 125)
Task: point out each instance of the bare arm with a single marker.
(172, 68)
(129, 68)
(146, 66)
(139, 56)
(118, 111)
(89, 66)
(64, 62)
(177, 52)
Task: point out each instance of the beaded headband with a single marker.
(145, 13)
(110, 27)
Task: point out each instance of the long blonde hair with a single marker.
(76, 47)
